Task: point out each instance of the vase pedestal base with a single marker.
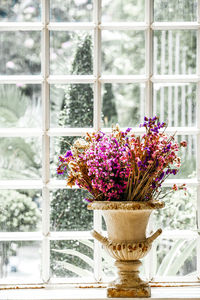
(128, 284)
(138, 292)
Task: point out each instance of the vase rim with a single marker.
(125, 205)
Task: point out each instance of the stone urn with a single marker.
(127, 243)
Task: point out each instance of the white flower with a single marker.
(80, 2)
(29, 10)
(10, 65)
(29, 43)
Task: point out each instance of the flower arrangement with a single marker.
(121, 166)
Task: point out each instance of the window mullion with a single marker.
(45, 143)
(149, 260)
(198, 142)
(97, 124)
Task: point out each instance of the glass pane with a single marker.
(20, 105)
(71, 10)
(20, 261)
(75, 258)
(69, 210)
(71, 53)
(20, 53)
(20, 158)
(176, 258)
(20, 210)
(72, 105)
(175, 52)
(175, 103)
(20, 10)
(188, 157)
(123, 104)
(179, 211)
(175, 11)
(123, 10)
(123, 52)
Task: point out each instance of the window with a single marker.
(70, 66)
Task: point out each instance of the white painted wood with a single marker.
(45, 142)
(198, 139)
(64, 292)
(97, 220)
(30, 79)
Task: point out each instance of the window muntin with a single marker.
(149, 81)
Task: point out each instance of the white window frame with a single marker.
(45, 79)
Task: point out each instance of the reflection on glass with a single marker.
(72, 258)
(123, 52)
(20, 10)
(71, 10)
(176, 258)
(123, 10)
(20, 260)
(175, 103)
(71, 105)
(20, 158)
(20, 105)
(175, 11)
(71, 53)
(69, 210)
(123, 104)
(20, 53)
(175, 52)
(179, 211)
(20, 210)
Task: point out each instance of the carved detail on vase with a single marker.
(127, 250)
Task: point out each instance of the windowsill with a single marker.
(94, 293)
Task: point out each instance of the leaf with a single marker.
(167, 261)
(181, 258)
(76, 270)
(80, 255)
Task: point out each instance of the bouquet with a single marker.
(120, 166)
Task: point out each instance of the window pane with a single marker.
(20, 53)
(71, 10)
(123, 10)
(175, 52)
(176, 258)
(20, 261)
(123, 52)
(20, 158)
(20, 10)
(20, 210)
(69, 210)
(179, 211)
(74, 260)
(175, 103)
(175, 11)
(71, 53)
(188, 157)
(20, 105)
(123, 104)
(72, 105)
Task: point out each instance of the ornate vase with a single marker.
(127, 243)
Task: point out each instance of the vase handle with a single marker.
(154, 236)
(100, 238)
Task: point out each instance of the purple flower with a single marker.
(68, 153)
